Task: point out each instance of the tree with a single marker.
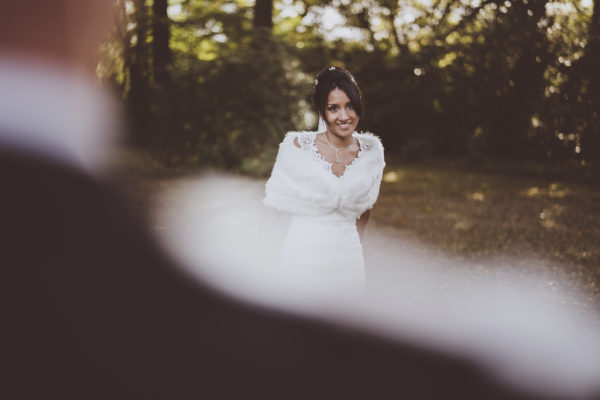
(161, 35)
(513, 78)
(139, 73)
(263, 14)
(519, 96)
(589, 85)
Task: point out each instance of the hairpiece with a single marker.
(331, 68)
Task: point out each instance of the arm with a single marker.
(361, 223)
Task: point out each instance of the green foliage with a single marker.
(510, 80)
(238, 106)
(225, 103)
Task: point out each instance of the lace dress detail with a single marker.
(306, 140)
(324, 253)
(322, 248)
(307, 144)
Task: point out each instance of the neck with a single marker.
(339, 141)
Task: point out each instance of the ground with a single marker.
(482, 214)
(450, 209)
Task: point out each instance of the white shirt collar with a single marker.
(53, 112)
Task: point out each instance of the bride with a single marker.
(326, 182)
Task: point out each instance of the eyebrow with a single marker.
(335, 104)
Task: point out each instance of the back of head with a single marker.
(63, 31)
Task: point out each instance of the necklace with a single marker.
(336, 149)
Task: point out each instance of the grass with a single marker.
(480, 215)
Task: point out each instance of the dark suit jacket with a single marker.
(94, 309)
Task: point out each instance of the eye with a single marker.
(332, 108)
(349, 106)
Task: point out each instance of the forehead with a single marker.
(337, 96)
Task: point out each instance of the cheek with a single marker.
(329, 116)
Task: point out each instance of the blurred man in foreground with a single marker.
(95, 310)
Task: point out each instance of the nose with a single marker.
(344, 115)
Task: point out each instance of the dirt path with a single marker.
(434, 220)
(395, 256)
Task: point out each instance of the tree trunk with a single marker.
(263, 14)
(139, 73)
(524, 84)
(595, 22)
(139, 63)
(591, 135)
(160, 44)
(400, 45)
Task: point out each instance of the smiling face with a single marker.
(340, 115)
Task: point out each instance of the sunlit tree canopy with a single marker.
(221, 81)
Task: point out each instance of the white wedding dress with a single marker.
(322, 249)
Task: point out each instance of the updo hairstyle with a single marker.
(336, 77)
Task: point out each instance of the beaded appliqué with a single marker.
(307, 143)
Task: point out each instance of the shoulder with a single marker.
(291, 143)
(293, 135)
(370, 142)
(298, 138)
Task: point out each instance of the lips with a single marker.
(345, 125)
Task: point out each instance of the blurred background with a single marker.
(488, 110)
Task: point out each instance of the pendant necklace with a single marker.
(337, 160)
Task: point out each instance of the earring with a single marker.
(322, 125)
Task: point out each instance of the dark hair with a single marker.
(336, 77)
